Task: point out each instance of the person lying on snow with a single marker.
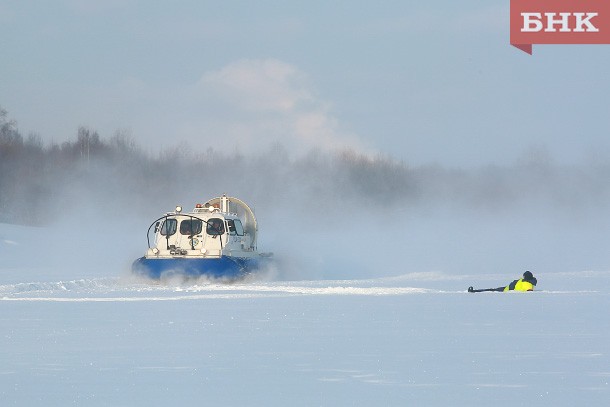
(527, 283)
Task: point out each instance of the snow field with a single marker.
(111, 342)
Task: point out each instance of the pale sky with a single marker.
(431, 82)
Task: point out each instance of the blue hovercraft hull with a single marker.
(224, 267)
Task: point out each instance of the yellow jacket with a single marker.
(520, 285)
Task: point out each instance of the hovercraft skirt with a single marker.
(222, 267)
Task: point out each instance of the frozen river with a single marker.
(417, 339)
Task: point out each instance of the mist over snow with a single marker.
(324, 212)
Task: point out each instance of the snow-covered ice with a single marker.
(102, 338)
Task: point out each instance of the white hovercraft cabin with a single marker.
(216, 239)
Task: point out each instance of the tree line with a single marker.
(41, 181)
(95, 176)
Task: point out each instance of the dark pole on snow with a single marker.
(472, 290)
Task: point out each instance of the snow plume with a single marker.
(325, 214)
(271, 101)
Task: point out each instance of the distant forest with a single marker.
(113, 176)
(39, 181)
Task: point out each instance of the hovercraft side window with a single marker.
(235, 227)
(215, 227)
(168, 227)
(190, 227)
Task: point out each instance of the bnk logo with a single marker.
(559, 22)
(532, 22)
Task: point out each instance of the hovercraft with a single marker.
(217, 239)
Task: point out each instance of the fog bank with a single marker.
(325, 214)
